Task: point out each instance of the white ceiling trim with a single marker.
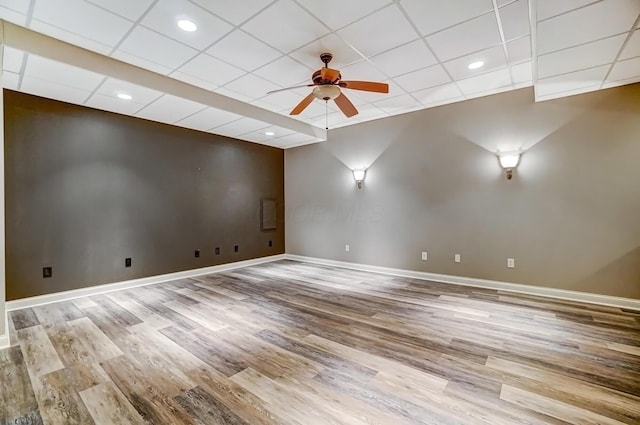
(39, 44)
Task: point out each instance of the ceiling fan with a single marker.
(327, 83)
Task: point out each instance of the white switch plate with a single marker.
(424, 255)
(346, 248)
(511, 263)
(456, 258)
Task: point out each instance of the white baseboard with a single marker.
(562, 294)
(4, 341)
(110, 287)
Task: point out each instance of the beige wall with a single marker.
(570, 217)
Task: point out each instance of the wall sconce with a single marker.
(509, 161)
(359, 175)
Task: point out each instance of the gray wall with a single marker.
(570, 217)
(87, 188)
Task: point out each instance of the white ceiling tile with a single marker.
(234, 11)
(522, 73)
(362, 71)
(241, 126)
(423, 78)
(234, 94)
(95, 24)
(69, 37)
(490, 92)
(515, 19)
(397, 104)
(365, 35)
(612, 17)
(434, 15)
(141, 62)
(10, 80)
(285, 99)
(519, 50)
(471, 36)
(194, 81)
(53, 90)
(405, 59)
(504, 2)
(211, 70)
(343, 54)
(576, 58)
(208, 118)
(438, 94)
(10, 15)
(572, 81)
(545, 9)
(625, 70)
(286, 72)
(295, 139)
(131, 10)
(338, 13)
(493, 59)
(164, 17)
(19, 6)
(140, 95)
(254, 52)
(60, 73)
(485, 82)
(632, 49)
(113, 104)
(299, 29)
(12, 59)
(372, 111)
(156, 48)
(169, 109)
(252, 86)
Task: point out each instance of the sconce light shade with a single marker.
(359, 175)
(509, 161)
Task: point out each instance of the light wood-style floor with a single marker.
(295, 343)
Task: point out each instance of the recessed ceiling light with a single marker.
(187, 25)
(270, 133)
(124, 96)
(476, 65)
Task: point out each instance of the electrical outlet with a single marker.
(127, 262)
(424, 255)
(346, 248)
(511, 263)
(196, 253)
(236, 248)
(456, 258)
(47, 272)
(217, 251)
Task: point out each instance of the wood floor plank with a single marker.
(294, 343)
(18, 404)
(108, 406)
(554, 408)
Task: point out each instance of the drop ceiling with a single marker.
(243, 49)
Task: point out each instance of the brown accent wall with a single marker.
(85, 189)
(570, 217)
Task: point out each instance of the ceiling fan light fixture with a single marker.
(476, 65)
(326, 92)
(187, 25)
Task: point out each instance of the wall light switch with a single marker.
(346, 248)
(456, 258)
(511, 263)
(424, 255)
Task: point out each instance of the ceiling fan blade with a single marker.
(290, 88)
(330, 74)
(302, 105)
(345, 105)
(365, 86)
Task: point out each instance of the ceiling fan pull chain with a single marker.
(326, 115)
